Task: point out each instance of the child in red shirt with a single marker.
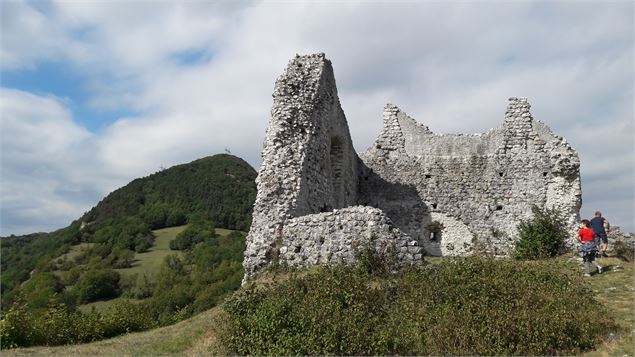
(589, 247)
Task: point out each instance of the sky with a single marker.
(96, 93)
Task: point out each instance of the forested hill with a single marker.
(220, 189)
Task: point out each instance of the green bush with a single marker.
(377, 260)
(467, 306)
(624, 250)
(59, 325)
(41, 289)
(542, 236)
(16, 326)
(195, 233)
(98, 284)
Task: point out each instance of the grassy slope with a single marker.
(616, 289)
(150, 261)
(193, 337)
(199, 336)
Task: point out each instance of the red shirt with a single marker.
(586, 234)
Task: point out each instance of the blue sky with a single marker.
(95, 94)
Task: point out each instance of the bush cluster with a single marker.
(58, 324)
(463, 306)
(541, 237)
(198, 231)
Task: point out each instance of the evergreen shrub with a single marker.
(541, 237)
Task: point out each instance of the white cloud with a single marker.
(450, 65)
(41, 149)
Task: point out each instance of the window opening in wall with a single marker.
(500, 174)
(434, 206)
(499, 207)
(428, 176)
(435, 229)
(544, 174)
(337, 162)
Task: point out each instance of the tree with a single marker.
(98, 284)
(542, 236)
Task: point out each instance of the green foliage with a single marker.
(197, 232)
(71, 276)
(624, 250)
(199, 280)
(41, 289)
(186, 285)
(59, 325)
(120, 258)
(221, 188)
(468, 306)
(541, 237)
(375, 259)
(21, 254)
(96, 285)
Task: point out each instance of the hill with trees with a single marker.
(215, 191)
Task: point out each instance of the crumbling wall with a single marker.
(452, 194)
(309, 165)
(487, 182)
(335, 237)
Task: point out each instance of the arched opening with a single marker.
(435, 228)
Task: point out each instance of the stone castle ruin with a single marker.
(414, 192)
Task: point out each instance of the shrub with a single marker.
(374, 259)
(125, 316)
(463, 306)
(59, 325)
(624, 250)
(16, 326)
(40, 289)
(542, 236)
(144, 242)
(98, 284)
(197, 232)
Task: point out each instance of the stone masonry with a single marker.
(413, 192)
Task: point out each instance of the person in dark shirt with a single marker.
(598, 224)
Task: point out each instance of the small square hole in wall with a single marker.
(499, 207)
(428, 176)
(434, 206)
(544, 174)
(500, 174)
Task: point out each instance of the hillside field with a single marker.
(150, 261)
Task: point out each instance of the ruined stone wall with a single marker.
(309, 164)
(483, 184)
(335, 237)
(452, 194)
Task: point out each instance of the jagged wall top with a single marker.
(487, 181)
(309, 164)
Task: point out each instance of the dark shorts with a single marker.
(603, 238)
(589, 257)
